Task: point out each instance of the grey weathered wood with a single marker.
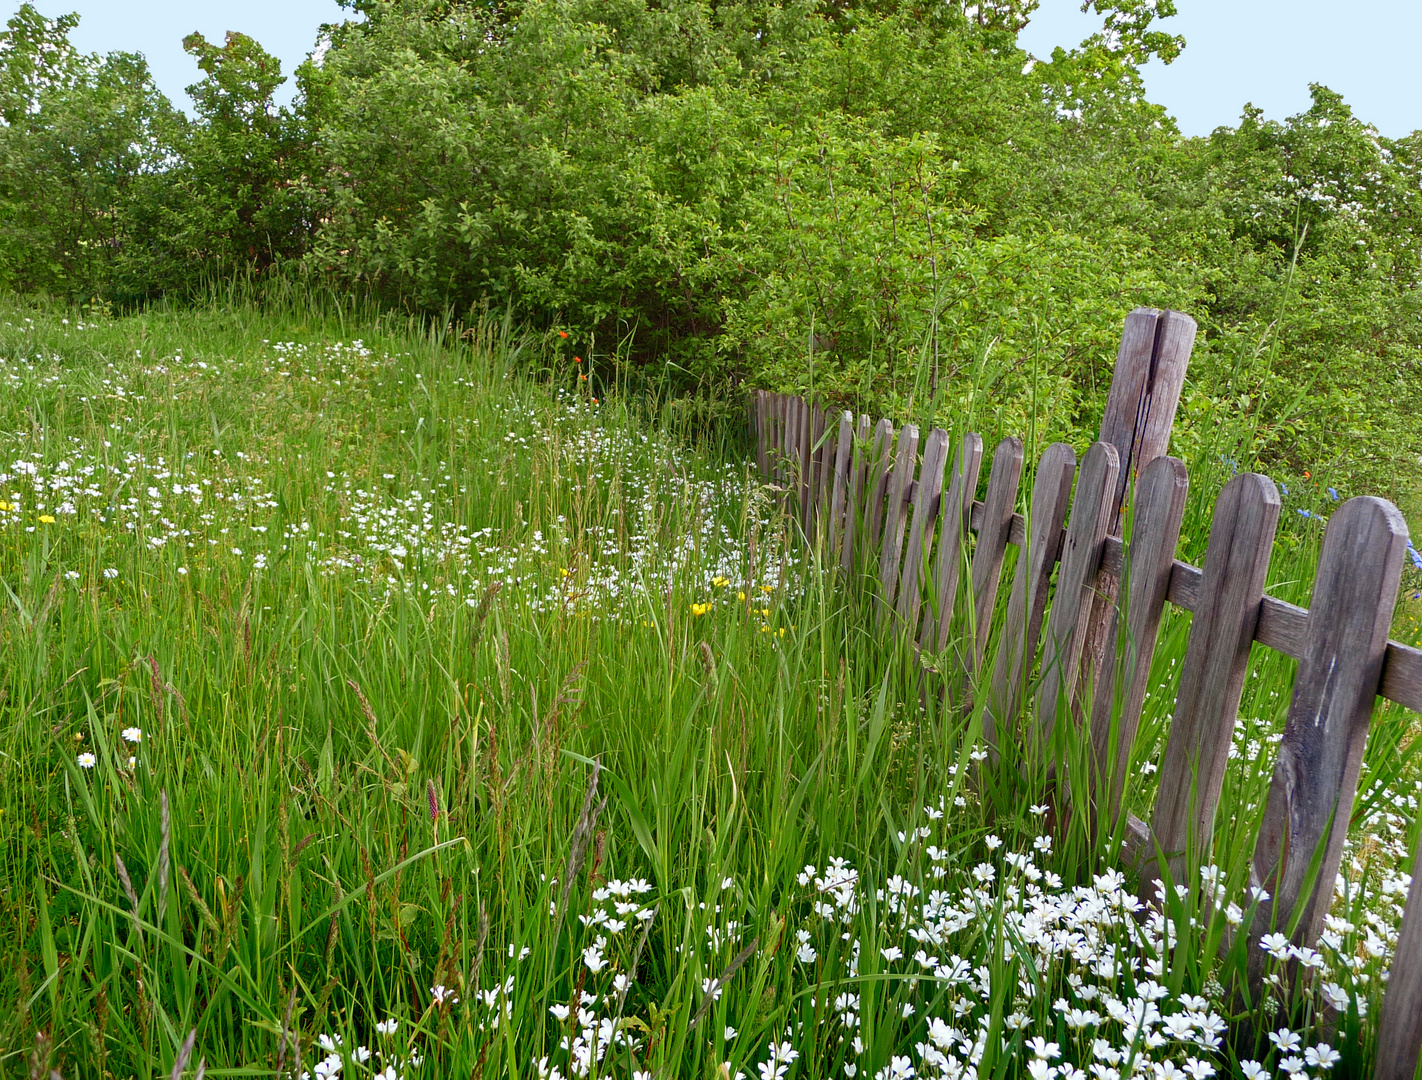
(1212, 678)
(876, 483)
(1316, 773)
(955, 511)
(1282, 627)
(1051, 493)
(895, 518)
(1155, 530)
(996, 525)
(855, 506)
(816, 473)
(1092, 516)
(1140, 412)
(839, 485)
(1400, 1030)
(788, 456)
(829, 429)
(1402, 675)
(805, 442)
(1145, 390)
(925, 516)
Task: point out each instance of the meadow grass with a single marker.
(377, 701)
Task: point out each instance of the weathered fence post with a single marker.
(1147, 562)
(1140, 412)
(895, 518)
(1212, 679)
(1316, 774)
(1092, 517)
(860, 457)
(925, 512)
(993, 532)
(955, 510)
(1051, 492)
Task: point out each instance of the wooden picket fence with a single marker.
(876, 500)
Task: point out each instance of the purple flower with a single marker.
(1333, 494)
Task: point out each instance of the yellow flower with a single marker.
(47, 519)
(564, 571)
(700, 609)
(782, 631)
(6, 506)
(740, 596)
(720, 582)
(767, 588)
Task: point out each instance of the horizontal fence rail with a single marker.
(901, 510)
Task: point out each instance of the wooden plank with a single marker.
(856, 506)
(925, 514)
(787, 442)
(839, 484)
(1092, 516)
(1145, 390)
(1212, 678)
(891, 544)
(876, 484)
(1402, 675)
(1316, 773)
(1400, 1030)
(806, 437)
(954, 513)
(829, 438)
(1282, 626)
(1155, 530)
(993, 533)
(815, 476)
(1139, 414)
(1051, 493)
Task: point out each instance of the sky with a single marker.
(1266, 52)
(1237, 51)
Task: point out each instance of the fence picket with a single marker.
(829, 435)
(855, 508)
(815, 476)
(805, 439)
(954, 514)
(993, 532)
(788, 413)
(1400, 1030)
(925, 511)
(1155, 530)
(1051, 491)
(1092, 515)
(891, 544)
(1316, 774)
(1212, 679)
(839, 484)
(876, 483)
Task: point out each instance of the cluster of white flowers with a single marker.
(382, 1063)
(407, 537)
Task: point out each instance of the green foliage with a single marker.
(81, 137)
(859, 197)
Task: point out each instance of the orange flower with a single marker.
(577, 359)
(562, 333)
(1308, 475)
(582, 378)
